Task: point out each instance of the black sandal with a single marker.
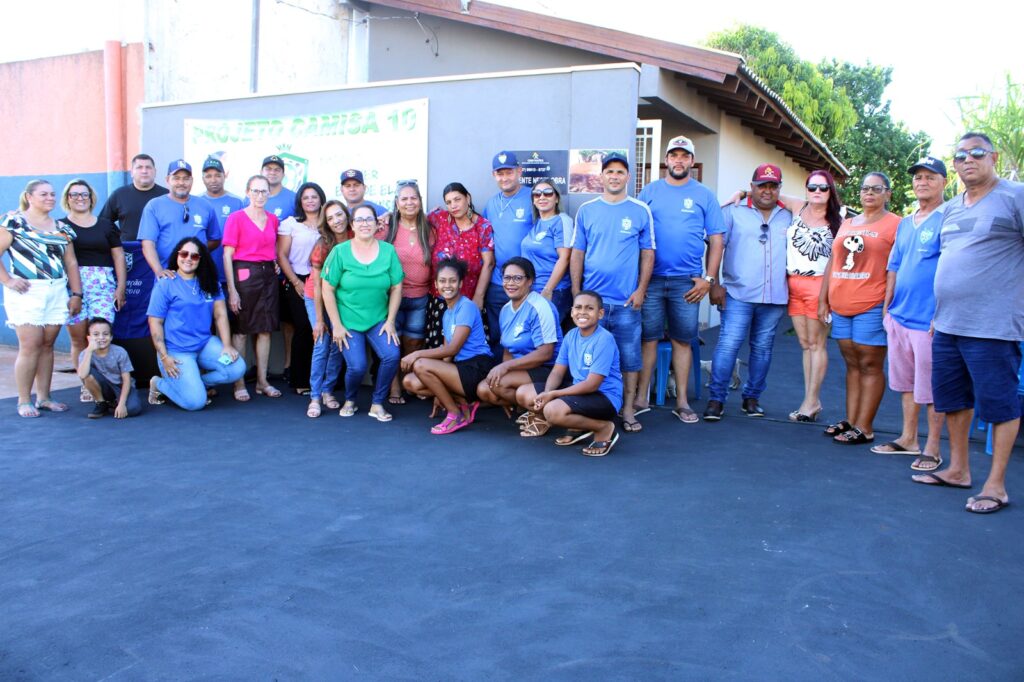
(838, 428)
(853, 437)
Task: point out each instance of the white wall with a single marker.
(198, 49)
(741, 151)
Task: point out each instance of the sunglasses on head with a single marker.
(406, 183)
(817, 188)
(543, 192)
(189, 255)
(976, 153)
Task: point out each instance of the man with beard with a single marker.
(686, 213)
(124, 205)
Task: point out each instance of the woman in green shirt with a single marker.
(362, 285)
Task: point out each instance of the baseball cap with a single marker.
(214, 163)
(929, 163)
(680, 142)
(353, 174)
(614, 156)
(504, 160)
(765, 173)
(273, 158)
(177, 165)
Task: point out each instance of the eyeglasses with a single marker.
(764, 233)
(873, 189)
(259, 192)
(189, 255)
(513, 279)
(818, 188)
(78, 195)
(185, 214)
(976, 153)
(406, 183)
(543, 192)
(364, 220)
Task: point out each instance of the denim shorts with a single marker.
(967, 371)
(864, 328)
(624, 324)
(665, 296)
(411, 321)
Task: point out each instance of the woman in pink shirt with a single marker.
(250, 250)
(413, 239)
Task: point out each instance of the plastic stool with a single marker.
(663, 367)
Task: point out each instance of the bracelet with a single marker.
(75, 293)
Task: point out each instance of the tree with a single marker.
(876, 142)
(1002, 119)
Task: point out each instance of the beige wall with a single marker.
(741, 151)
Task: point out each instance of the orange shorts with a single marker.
(803, 295)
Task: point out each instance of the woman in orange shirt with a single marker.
(854, 294)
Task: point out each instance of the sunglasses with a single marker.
(189, 255)
(817, 188)
(543, 192)
(764, 233)
(185, 214)
(873, 189)
(976, 153)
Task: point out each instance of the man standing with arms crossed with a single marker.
(908, 312)
(979, 318)
(685, 214)
(510, 212)
(613, 254)
(124, 205)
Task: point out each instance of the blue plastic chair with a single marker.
(663, 367)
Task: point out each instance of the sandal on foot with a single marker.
(27, 411)
(637, 411)
(84, 396)
(313, 411)
(524, 418)
(853, 437)
(798, 416)
(51, 406)
(686, 415)
(631, 426)
(347, 410)
(893, 448)
(268, 391)
(155, 396)
(469, 411)
(330, 402)
(926, 463)
(536, 427)
(838, 428)
(572, 436)
(380, 415)
(396, 400)
(600, 448)
(452, 423)
(999, 504)
(936, 480)
(242, 395)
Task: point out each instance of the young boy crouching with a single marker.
(105, 370)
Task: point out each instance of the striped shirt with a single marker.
(34, 254)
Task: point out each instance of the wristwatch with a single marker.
(76, 293)
(710, 280)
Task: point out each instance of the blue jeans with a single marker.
(112, 394)
(356, 361)
(665, 299)
(326, 362)
(624, 324)
(739, 319)
(562, 300)
(188, 389)
(494, 300)
(411, 321)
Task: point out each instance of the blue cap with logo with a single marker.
(178, 165)
(929, 163)
(504, 160)
(214, 163)
(275, 159)
(614, 156)
(352, 174)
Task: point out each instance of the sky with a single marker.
(939, 50)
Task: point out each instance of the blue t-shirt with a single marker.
(224, 206)
(684, 215)
(511, 218)
(163, 222)
(596, 353)
(533, 325)
(611, 237)
(914, 258)
(377, 207)
(283, 205)
(540, 247)
(466, 314)
(187, 312)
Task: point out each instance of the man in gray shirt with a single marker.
(979, 318)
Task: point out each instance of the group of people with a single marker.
(555, 319)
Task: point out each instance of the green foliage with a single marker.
(1002, 119)
(876, 142)
(826, 110)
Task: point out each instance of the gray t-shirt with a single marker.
(112, 365)
(979, 281)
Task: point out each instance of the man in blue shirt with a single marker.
(353, 188)
(753, 294)
(281, 201)
(224, 203)
(168, 219)
(686, 213)
(910, 304)
(613, 254)
(510, 213)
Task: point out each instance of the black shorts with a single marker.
(471, 372)
(591, 405)
(539, 377)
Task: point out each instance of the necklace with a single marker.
(411, 235)
(504, 205)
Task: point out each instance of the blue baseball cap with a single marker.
(179, 164)
(353, 174)
(504, 160)
(275, 159)
(614, 156)
(929, 163)
(214, 163)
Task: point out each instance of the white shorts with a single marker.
(45, 303)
